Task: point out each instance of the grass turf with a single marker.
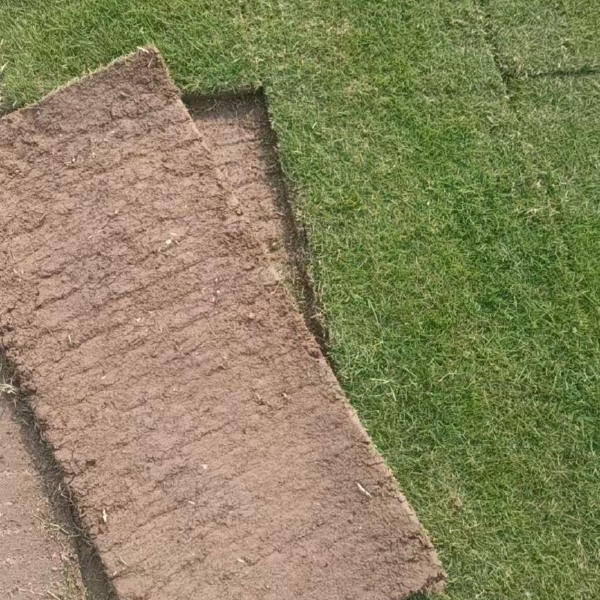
(544, 35)
(454, 228)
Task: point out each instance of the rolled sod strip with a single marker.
(207, 445)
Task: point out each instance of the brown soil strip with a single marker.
(37, 555)
(244, 147)
(233, 128)
(204, 439)
(41, 491)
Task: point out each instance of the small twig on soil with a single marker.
(363, 490)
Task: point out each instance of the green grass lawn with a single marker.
(545, 35)
(455, 231)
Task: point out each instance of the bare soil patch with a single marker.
(204, 438)
(233, 128)
(244, 149)
(38, 557)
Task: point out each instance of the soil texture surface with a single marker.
(37, 556)
(235, 128)
(207, 445)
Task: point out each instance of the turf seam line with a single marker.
(490, 35)
(510, 75)
(584, 71)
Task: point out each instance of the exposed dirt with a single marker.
(37, 555)
(204, 438)
(233, 129)
(244, 149)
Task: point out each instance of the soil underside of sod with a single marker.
(37, 554)
(206, 443)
